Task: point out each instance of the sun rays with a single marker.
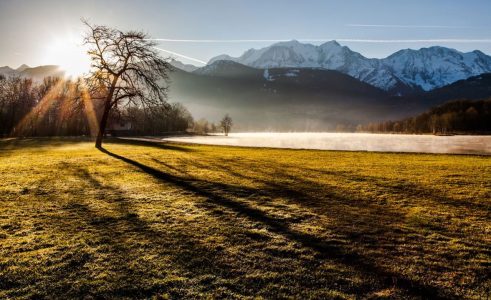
(90, 112)
(68, 97)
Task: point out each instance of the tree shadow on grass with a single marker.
(123, 234)
(46, 143)
(380, 225)
(327, 249)
(163, 145)
(407, 188)
(384, 222)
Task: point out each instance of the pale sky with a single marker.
(34, 32)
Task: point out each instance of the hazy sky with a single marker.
(32, 29)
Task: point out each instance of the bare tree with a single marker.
(226, 124)
(126, 70)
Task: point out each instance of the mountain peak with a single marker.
(479, 53)
(6, 71)
(225, 68)
(288, 43)
(180, 65)
(223, 57)
(330, 44)
(22, 68)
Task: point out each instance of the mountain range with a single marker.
(280, 99)
(301, 87)
(35, 73)
(303, 99)
(404, 72)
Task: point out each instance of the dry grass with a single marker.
(144, 220)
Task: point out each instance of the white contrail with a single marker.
(407, 26)
(217, 41)
(181, 55)
(326, 40)
(417, 41)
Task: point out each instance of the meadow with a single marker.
(169, 220)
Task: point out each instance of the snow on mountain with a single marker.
(426, 69)
(437, 66)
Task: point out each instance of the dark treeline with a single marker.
(155, 120)
(56, 107)
(462, 116)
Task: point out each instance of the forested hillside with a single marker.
(462, 116)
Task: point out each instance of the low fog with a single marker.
(350, 142)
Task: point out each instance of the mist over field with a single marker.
(350, 142)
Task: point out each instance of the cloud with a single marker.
(408, 26)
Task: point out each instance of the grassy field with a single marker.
(141, 220)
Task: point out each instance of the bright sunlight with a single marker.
(68, 53)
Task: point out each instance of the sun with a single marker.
(68, 53)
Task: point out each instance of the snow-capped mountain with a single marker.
(424, 69)
(435, 67)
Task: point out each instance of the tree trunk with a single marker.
(102, 125)
(105, 115)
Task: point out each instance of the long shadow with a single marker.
(394, 186)
(324, 248)
(149, 143)
(377, 221)
(408, 188)
(192, 256)
(366, 211)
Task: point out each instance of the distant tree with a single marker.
(433, 123)
(341, 128)
(397, 127)
(226, 124)
(213, 128)
(471, 117)
(126, 70)
(202, 126)
(179, 118)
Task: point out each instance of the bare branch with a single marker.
(125, 69)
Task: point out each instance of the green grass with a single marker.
(143, 220)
